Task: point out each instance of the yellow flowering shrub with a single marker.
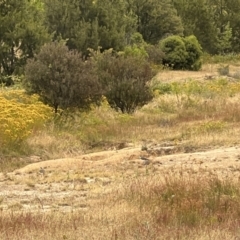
(20, 115)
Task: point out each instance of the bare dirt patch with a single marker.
(71, 184)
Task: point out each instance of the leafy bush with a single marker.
(181, 53)
(136, 47)
(6, 80)
(125, 80)
(19, 116)
(223, 70)
(155, 54)
(135, 51)
(194, 52)
(62, 78)
(137, 39)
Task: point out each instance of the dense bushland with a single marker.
(111, 24)
(64, 79)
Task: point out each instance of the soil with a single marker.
(71, 184)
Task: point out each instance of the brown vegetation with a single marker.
(189, 189)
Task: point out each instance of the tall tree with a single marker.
(198, 20)
(65, 20)
(89, 24)
(216, 23)
(115, 23)
(21, 33)
(227, 19)
(155, 19)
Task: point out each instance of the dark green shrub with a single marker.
(136, 47)
(6, 80)
(181, 53)
(194, 53)
(125, 81)
(175, 52)
(62, 78)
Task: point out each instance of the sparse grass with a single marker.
(181, 112)
(164, 206)
(179, 203)
(231, 58)
(10, 163)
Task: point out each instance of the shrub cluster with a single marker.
(124, 80)
(20, 115)
(63, 79)
(181, 53)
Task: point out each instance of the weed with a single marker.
(223, 70)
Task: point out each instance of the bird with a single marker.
(146, 161)
(41, 171)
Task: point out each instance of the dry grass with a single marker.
(179, 120)
(141, 203)
(151, 206)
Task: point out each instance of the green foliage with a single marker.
(139, 48)
(155, 54)
(66, 20)
(215, 23)
(175, 52)
(194, 53)
(230, 58)
(155, 19)
(199, 20)
(137, 39)
(135, 51)
(89, 24)
(62, 78)
(181, 53)
(21, 34)
(125, 81)
(224, 40)
(27, 25)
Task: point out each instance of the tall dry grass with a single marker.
(185, 114)
(152, 206)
